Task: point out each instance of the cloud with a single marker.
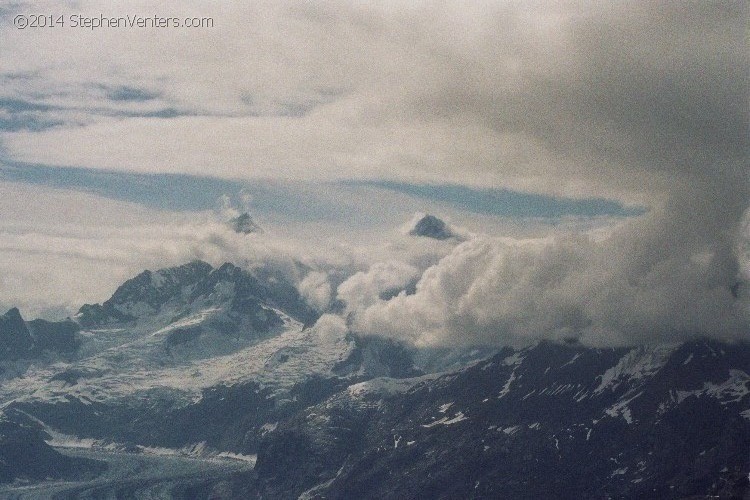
(330, 328)
(571, 99)
(367, 287)
(61, 249)
(642, 102)
(616, 291)
(316, 290)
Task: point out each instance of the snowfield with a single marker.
(137, 361)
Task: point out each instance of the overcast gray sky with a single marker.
(382, 109)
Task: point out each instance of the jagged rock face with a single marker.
(253, 290)
(430, 226)
(553, 421)
(379, 357)
(144, 294)
(15, 340)
(248, 294)
(155, 288)
(333, 415)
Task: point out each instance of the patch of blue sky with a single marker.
(13, 105)
(505, 202)
(301, 201)
(125, 93)
(20, 114)
(178, 192)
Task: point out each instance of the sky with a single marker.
(592, 157)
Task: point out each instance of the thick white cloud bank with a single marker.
(490, 291)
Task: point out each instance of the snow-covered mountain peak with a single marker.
(187, 289)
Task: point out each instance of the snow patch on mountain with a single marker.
(192, 320)
(134, 362)
(444, 408)
(733, 389)
(514, 359)
(458, 417)
(386, 386)
(636, 364)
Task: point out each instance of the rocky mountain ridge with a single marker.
(219, 359)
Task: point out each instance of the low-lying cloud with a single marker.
(625, 289)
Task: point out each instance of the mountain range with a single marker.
(230, 368)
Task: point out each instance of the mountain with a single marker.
(550, 421)
(198, 286)
(244, 224)
(430, 226)
(15, 339)
(57, 336)
(21, 340)
(229, 365)
(165, 344)
(143, 294)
